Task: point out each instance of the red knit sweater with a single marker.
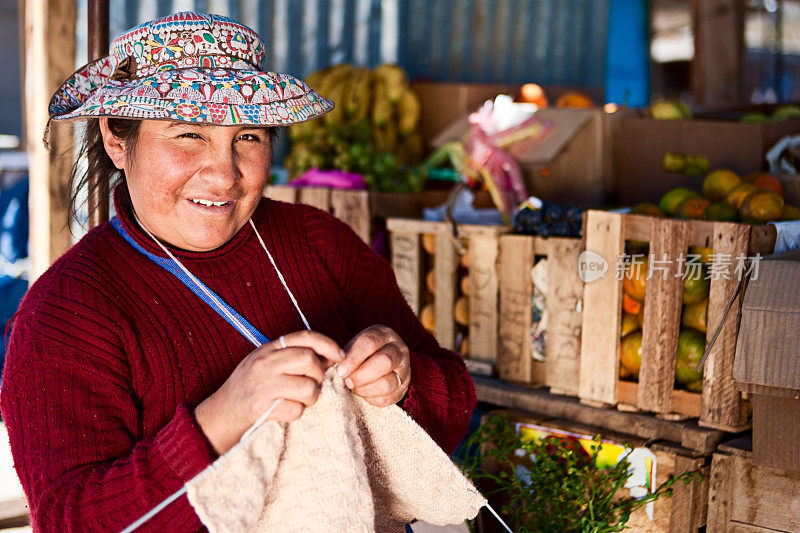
(109, 353)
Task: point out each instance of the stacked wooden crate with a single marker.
(720, 404)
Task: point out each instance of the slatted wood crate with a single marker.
(518, 255)
(720, 404)
(685, 511)
(364, 210)
(747, 498)
(409, 262)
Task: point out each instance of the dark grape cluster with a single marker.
(552, 220)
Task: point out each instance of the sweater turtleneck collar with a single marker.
(226, 257)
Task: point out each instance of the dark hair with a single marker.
(98, 162)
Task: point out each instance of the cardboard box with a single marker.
(640, 144)
(767, 364)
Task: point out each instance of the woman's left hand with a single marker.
(377, 366)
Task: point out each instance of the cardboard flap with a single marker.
(768, 346)
(566, 123)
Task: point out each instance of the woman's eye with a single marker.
(189, 135)
(249, 137)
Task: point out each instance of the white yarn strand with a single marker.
(280, 276)
(263, 418)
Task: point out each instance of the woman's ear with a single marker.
(115, 147)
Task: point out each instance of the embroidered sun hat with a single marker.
(191, 67)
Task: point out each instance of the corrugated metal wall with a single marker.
(553, 42)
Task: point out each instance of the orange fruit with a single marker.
(461, 311)
(691, 345)
(721, 212)
(464, 284)
(737, 195)
(692, 208)
(574, 99)
(695, 316)
(673, 198)
(430, 281)
(629, 324)
(719, 184)
(630, 353)
(790, 212)
(704, 252)
(534, 94)
(760, 207)
(629, 305)
(766, 182)
(429, 243)
(624, 373)
(634, 281)
(695, 287)
(647, 208)
(428, 318)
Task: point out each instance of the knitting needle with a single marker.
(498, 518)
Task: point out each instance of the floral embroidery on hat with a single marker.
(191, 67)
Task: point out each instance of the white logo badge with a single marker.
(591, 266)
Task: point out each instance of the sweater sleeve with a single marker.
(441, 396)
(75, 428)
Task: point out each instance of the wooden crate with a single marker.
(720, 405)
(482, 244)
(748, 498)
(685, 511)
(518, 254)
(364, 210)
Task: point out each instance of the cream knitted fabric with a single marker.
(343, 466)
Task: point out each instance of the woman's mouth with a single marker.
(212, 207)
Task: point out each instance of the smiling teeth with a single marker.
(208, 203)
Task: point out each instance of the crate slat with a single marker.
(482, 252)
(446, 276)
(352, 208)
(599, 358)
(722, 406)
(564, 318)
(669, 239)
(319, 197)
(282, 193)
(407, 266)
(514, 362)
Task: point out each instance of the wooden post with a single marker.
(97, 200)
(718, 68)
(49, 30)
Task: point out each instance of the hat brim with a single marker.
(218, 96)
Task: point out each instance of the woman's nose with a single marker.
(220, 169)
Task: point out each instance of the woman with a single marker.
(122, 380)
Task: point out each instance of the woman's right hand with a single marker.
(293, 373)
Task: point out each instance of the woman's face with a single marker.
(193, 186)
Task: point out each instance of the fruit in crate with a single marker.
(635, 279)
(691, 345)
(704, 253)
(695, 316)
(721, 212)
(765, 181)
(673, 198)
(630, 353)
(718, 184)
(786, 112)
(428, 318)
(665, 110)
(673, 162)
(649, 209)
(760, 207)
(574, 99)
(696, 165)
(695, 286)
(429, 243)
(737, 195)
(692, 208)
(790, 212)
(629, 324)
(461, 311)
(629, 305)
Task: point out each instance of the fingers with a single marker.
(321, 344)
(365, 345)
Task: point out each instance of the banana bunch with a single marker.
(381, 97)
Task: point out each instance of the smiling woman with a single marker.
(131, 365)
